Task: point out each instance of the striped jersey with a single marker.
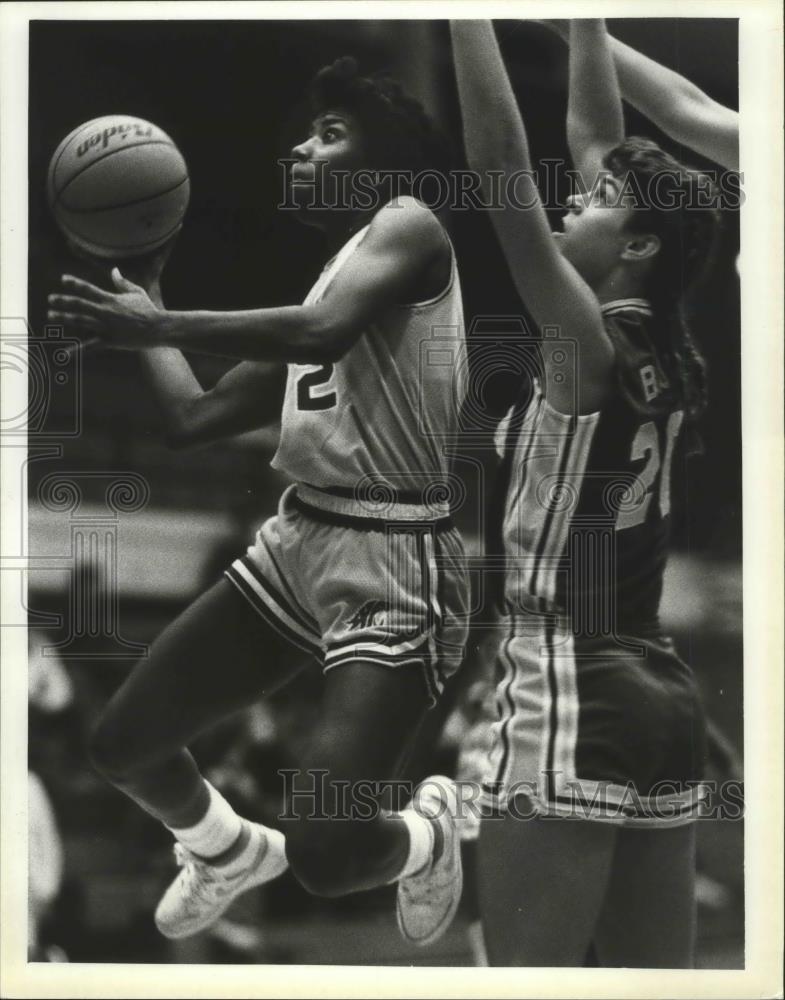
(378, 420)
(586, 516)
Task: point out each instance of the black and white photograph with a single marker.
(392, 499)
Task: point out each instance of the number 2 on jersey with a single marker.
(647, 442)
(310, 380)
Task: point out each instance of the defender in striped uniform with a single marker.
(361, 567)
(596, 752)
(597, 712)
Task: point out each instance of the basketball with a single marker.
(118, 186)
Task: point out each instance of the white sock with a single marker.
(275, 849)
(215, 832)
(421, 840)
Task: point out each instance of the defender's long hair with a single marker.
(679, 207)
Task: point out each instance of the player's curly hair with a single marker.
(679, 207)
(399, 134)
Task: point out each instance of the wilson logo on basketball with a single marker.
(118, 187)
(102, 138)
(371, 613)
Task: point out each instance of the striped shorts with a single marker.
(346, 588)
(592, 729)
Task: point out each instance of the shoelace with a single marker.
(423, 888)
(197, 879)
(421, 894)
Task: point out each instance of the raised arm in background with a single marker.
(675, 104)
(554, 292)
(595, 119)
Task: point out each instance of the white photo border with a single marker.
(761, 269)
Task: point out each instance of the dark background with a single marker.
(231, 96)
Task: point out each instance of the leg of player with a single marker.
(542, 883)
(649, 915)
(370, 715)
(204, 666)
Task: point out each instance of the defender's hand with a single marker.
(125, 319)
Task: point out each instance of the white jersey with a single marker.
(375, 426)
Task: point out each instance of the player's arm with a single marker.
(682, 110)
(555, 294)
(595, 120)
(246, 397)
(403, 240)
(675, 104)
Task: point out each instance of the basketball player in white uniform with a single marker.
(360, 568)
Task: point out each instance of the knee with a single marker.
(318, 855)
(107, 752)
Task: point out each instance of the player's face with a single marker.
(595, 231)
(318, 181)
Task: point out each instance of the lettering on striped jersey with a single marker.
(649, 381)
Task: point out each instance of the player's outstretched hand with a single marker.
(127, 318)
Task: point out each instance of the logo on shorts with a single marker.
(370, 614)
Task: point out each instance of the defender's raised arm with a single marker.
(682, 110)
(595, 119)
(675, 104)
(553, 290)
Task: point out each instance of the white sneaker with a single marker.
(427, 900)
(202, 892)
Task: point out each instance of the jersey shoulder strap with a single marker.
(642, 379)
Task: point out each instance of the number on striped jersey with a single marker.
(646, 444)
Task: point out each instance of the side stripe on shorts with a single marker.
(354, 649)
(276, 614)
(431, 572)
(562, 714)
(616, 804)
(287, 600)
(507, 711)
(418, 654)
(553, 713)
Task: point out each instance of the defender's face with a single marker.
(595, 230)
(333, 149)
